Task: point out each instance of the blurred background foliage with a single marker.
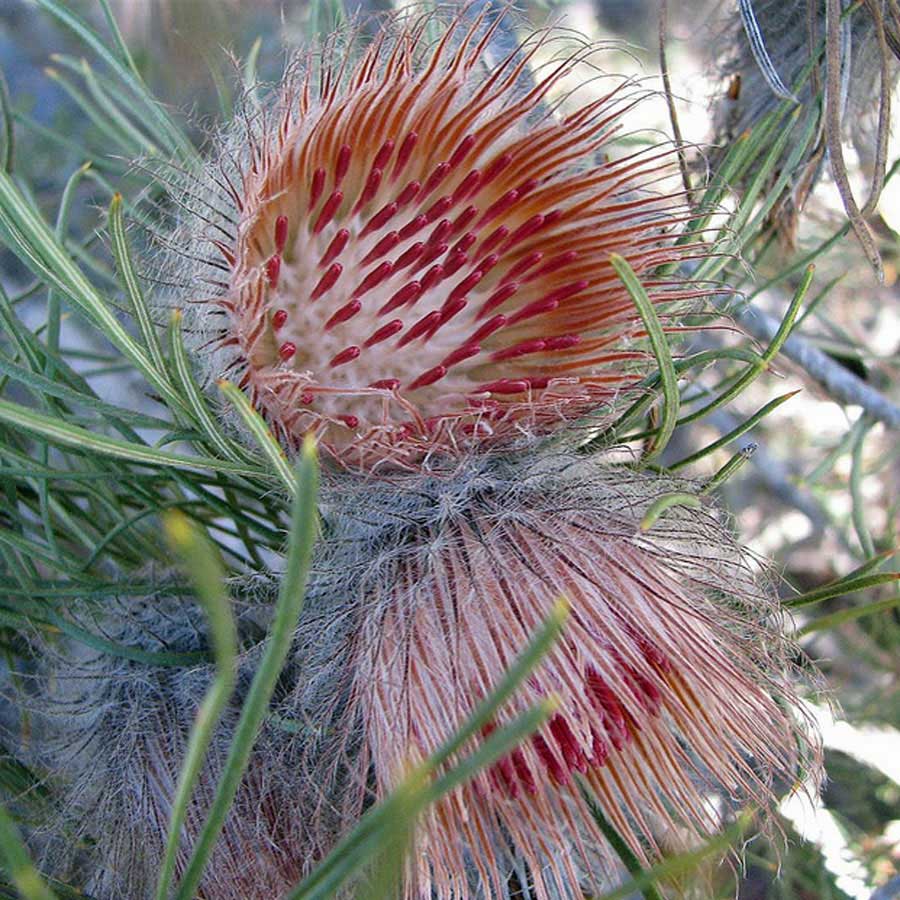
(820, 492)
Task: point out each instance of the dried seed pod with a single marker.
(763, 55)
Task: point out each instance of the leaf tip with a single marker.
(550, 704)
(178, 530)
(309, 447)
(560, 612)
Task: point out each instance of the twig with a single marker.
(841, 384)
(884, 111)
(837, 34)
(670, 100)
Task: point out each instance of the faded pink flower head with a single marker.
(671, 673)
(413, 250)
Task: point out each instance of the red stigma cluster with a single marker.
(422, 256)
(560, 751)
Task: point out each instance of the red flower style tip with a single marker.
(418, 251)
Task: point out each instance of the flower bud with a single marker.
(410, 252)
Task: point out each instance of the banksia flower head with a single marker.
(670, 673)
(412, 251)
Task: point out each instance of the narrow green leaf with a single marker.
(53, 475)
(18, 864)
(175, 138)
(265, 522)
(24, 341)
(35, 551)
(737, 462)
(618, 844)
(40, 250)
(824, 623)
(683, 862)
(20, 622)
(525, 663)
(250, 73)
(117, 117)
(96, 590)
(44, 612)
(36, 355)
(860, 429)
(743, 153)
(394, 840)
(735, 433)
(42, 386)
(496, 745)
(113, 166)
(205, 568)
(594, 438)
(121, 527)
(260, 431)
(660, 347)
(755, 369)
(303, 532)
(786, 169)
(376, 828)
(761, 179)
(59, 432)
(874, 563)
(849, 585)
(118, 40)
(7, 151)
(667, 501)
(17, 779)
(131, 284)
(109, 130)
(62, 226)
(196, 403)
